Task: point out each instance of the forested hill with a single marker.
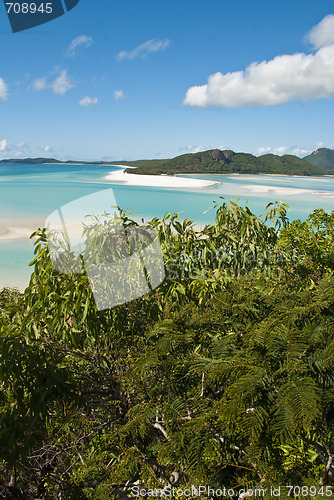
(322, 158)
(223, 162)
(30, 160)
(215, 161)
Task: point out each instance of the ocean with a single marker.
(30, 193)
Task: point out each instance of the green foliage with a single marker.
(30, 160)
(322, 158)
(225, 162)
(221, 376)
(310, 245)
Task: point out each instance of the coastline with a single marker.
(163, 181)
(80, 163)
(18, 232)
(255, 174)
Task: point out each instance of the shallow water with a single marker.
(29, 193)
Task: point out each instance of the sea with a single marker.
(30, 193)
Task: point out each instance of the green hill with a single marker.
(215, 161)
(322, 158)
(30, 160)
(224, 162)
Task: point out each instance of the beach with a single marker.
(164, 181)
(14, 232)
(21, 230)
(14, 227)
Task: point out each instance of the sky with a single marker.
(154, 79)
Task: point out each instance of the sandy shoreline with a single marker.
(164, 181)
(20, 231)
(87, 164)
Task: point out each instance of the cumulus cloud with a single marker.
(3, 90)
(323, 145)
(118, 94)
(62, 83)
(8, 149)
(59, 85)
(281, 80)
(301, 152)
(40, 84)
(323, 33)
(88, 102)
(4, 145)
(196, 149)
(21, 150)
(80, 42)
(290, 150)
(190, 148)
(265, 150)
(144, 49)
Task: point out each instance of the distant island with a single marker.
(31, 160)
(216, 161)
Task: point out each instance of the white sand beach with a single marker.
(164, 181)
(19, 231)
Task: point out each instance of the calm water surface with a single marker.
(31, 192)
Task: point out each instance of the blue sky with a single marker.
(155, 79)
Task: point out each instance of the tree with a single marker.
(213, 378)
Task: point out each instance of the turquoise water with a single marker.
(29, 193)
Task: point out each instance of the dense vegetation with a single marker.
(322, 158)
(320, 162)
(224, 162)
(30, 160)
(222, 376)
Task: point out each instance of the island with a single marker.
(215, 161)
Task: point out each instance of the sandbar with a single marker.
(164, 181)
(18, 232)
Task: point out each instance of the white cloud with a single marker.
(118, 94)
(301, 152)
(198, 149)
(40, 84)
(145, 48)
(323, 33)
(4, 145)
(323, 145)
(281, 150)
(191, 149)
(8, 149)
(3, 90)
(306, 151)
(21, 150)
(82, 41)
(281, 80)
(60, 85)
(289, 150)
(87, 102)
